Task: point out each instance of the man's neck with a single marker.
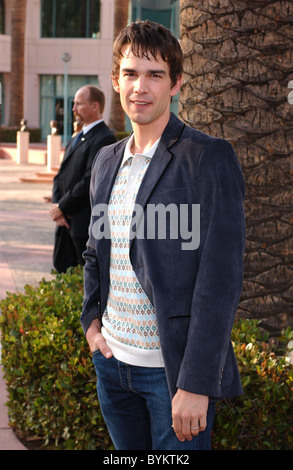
(89, 125)
(146, 135)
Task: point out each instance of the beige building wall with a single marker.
(44, 56)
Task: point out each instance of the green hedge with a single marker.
(261, 419)
(122, 134)
(8, 134)
(51, 379)
(47, 365)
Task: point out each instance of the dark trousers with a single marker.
(67, 250)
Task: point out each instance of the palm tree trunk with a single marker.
(117, 116)
(18, 15)
(238, 63)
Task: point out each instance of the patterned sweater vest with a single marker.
(129, 321)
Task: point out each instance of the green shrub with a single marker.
(8, 134)
(261, 419)
(50, 377)
(122, 134)
(52, 384)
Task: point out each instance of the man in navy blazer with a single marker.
(70, 197)
(189, 269)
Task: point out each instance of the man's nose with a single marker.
(140, 85)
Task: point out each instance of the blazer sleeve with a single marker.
(91, 302)
(92, 305)
(220, 191)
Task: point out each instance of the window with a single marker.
(52, 100)
(165, 12)
(2, 17)
(70, 18)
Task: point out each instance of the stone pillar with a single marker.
(22, 141)
(53, 151)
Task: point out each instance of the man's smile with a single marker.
(140, 103)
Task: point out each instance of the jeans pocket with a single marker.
(96, 351)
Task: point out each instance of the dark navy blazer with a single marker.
(71, 184)
(195, 292)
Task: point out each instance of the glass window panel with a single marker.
(47, 114)
(74, 83)
(94, 19)
(59, 114)
(2, 17)
(59, 80)
(47, 19)
(47, 85)
(93, 80)
(52, 102)
(160, 16)
(70, 18)
(77, 81)
(165, 12)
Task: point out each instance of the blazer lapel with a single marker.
(110, 169)
(160, 160)
(103, 190)
(71, 148)
(74, 146)
(157, 166)
(156, 169)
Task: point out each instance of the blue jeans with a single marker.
(136, 407)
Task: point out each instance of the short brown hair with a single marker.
(95, 94)
(147, 37)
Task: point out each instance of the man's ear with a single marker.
(96, 105)
(115, 83)
(176, 88)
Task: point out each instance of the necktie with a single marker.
(77, 139)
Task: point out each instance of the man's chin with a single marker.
(139, 118)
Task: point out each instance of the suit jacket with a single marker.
(195, 292)
(71, 184)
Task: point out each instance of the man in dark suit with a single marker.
(71, 205)
(161, 294)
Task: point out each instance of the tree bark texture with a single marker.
(117, 116)
(238, 63)
(18, 16)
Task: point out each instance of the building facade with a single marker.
(68, 43)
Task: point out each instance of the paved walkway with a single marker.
(26, 245)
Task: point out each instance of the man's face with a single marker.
(145, 88)
(84, 110)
